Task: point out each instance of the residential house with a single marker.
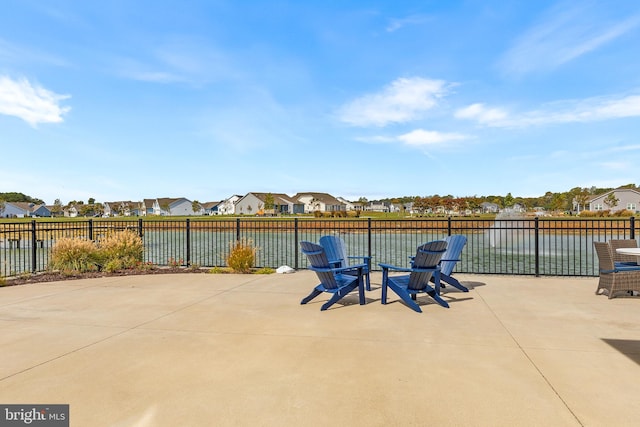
(381, 207)
(211, 208)
(322, 202)
(70, 211)
(23, 210)
(616, 200)
(180, 206)
(254, 204)
(123, 208)
(349, 206)
(228, 206)
(488, 207)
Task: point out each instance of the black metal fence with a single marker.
(532, 246)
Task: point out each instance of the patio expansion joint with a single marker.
(524, 352)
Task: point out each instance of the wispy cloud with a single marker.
(19, 54)
(566, 32)
(30, 102)
(573, 111)
(179, 60)
(397, 23)
(403, 100)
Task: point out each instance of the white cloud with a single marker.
(572, 111)
(404, 100)
(31, 103)
(566, 32)
(420, 137)
(482, 114)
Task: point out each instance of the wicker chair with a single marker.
(623, 243)
(614, 279)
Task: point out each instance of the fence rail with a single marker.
(532, 246)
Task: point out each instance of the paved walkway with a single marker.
(239, 350)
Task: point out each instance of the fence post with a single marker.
(237, 229)
(34, 252)
(449, 226)
(295, 243)
(632, 225)
(369, 237)
(140, 227)
(91, 230)
(188, 260)
(537, 249)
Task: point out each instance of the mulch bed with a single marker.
(57, 276)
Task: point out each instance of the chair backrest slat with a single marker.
(428, 255)
(455, 245)
(318, 258)
(335, 248)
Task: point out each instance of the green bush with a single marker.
(242, 256)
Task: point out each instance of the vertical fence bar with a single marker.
(188, 241)
(90, 224)
(449, 226)
(238, 229)
(632, 226)
(34, 252)
(537, 246)
(369, 237)
(140, 227)
(295, 243)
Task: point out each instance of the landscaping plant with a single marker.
(242, 256)
(121, 250)
(74, 256)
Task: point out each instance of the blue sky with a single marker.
(124, 100)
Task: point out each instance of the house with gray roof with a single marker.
(180, 206)
(254, 204)
(23, 210)
(616, 200)
(322, 202)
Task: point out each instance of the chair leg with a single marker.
(453, 282)
(406, 297)
(335, 298)
(311, 296)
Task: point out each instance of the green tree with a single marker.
(57, 208)
(269, 204)
(611, 200)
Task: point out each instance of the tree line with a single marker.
(549, 201)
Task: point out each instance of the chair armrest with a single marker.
(395, 268)
(456, 260)
(336, 270)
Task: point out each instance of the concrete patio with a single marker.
(236, 350)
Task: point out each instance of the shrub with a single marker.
(242, 256)
(121, 250)
(266, 270)
(623, 213)
(74, 256)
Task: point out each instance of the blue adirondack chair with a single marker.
(332, 279)
(337, 254)
(455, 244)
(424, 265)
